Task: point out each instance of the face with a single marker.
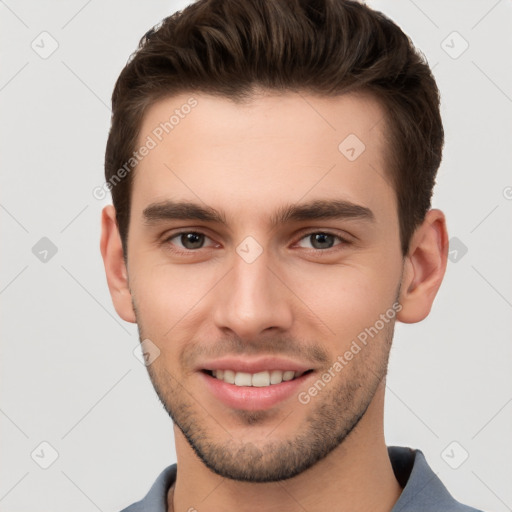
(264, 245)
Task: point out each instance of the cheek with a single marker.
(347, 299)
(167, 296)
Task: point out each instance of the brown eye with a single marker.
(188, 240)
(192, 240)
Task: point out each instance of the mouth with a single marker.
(260, 379)
(262, 390)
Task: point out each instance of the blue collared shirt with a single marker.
(422, 489)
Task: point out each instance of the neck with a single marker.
(356, 476)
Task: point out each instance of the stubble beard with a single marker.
(333, 415)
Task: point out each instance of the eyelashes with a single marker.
(323, 237)
(191, 241)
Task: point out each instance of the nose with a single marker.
(253, 300)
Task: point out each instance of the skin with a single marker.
(295, 300)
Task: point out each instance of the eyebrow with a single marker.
(314, 210)
(321, 210)
(170, 210)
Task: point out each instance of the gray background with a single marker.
(68, 373)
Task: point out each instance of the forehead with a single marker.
(274, 148)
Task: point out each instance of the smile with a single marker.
(259, 379)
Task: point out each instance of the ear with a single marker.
(115, 267)
(424, 268)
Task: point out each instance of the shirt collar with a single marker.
(422, 489)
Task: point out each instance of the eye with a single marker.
(188, 240)
(320, 240)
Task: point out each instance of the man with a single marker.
(271, 165)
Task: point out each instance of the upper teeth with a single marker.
(259, 379)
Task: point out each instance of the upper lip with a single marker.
(260, 364)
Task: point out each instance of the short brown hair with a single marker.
(326, 47)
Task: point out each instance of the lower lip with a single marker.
(250, 398)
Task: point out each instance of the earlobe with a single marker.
(424, 268)
(115, 267)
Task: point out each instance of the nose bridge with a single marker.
(253, 299)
